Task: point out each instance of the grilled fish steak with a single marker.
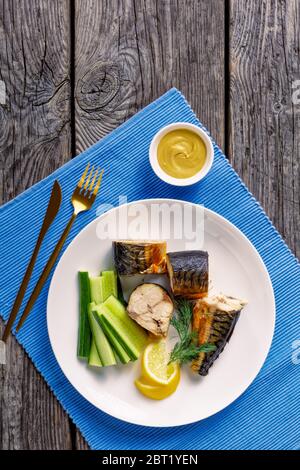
(188, 273)
(151, 307)
(214, 319)
(140, 257)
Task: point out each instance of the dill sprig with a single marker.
(186, 349)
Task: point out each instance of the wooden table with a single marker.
(75, 70)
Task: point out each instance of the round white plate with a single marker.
(235, 268)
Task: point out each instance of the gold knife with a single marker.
(52, 209)
(82, 199)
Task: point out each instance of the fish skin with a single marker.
(139, 257)
(214, 320)
(188, 273)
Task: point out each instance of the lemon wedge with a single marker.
(155, 367)
(159, 379)
(156, 392)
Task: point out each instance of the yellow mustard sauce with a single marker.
(181, 153)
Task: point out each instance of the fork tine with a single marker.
(88, 178)
(96, 188)
(81, 181)
(93, 180)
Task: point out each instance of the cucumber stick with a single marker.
(109, 284)
(101, 288)
(103, 347)
(118, 328)
(136, 333)
(84, 331)
(114, 326)
(118, 348)
(115, 306)
(96, 284)
(94, 359)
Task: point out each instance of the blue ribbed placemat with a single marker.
(267, 415)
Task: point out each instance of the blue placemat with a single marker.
(267, 415)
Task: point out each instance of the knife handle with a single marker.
(47, 269)
(52, 209)
(23, 287)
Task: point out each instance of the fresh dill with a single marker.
(186, 349)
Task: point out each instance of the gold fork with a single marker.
(82, 199)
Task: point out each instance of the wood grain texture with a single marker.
(34, 141)
(129, 52)
(236, 66)
(264, 121)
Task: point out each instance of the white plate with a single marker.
(235, 269)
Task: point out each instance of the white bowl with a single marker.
(181, 181)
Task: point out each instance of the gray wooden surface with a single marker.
(74, 70)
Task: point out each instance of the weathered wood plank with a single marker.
(34, 141)
(264, 121)
(129, 52)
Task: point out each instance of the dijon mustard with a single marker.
(181, 153)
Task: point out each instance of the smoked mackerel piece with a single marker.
(151, 307)
(139, 257)
(214, 319)
(188, 273)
